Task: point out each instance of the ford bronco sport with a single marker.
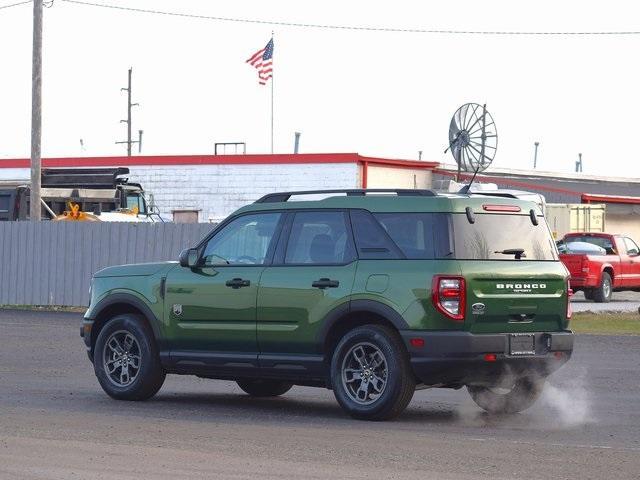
(369, 293)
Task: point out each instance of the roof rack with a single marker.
(401, 192)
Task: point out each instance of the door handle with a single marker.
(237, 283)
(325, 283)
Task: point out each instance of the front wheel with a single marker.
(126, 360)
(370, 373)
(520, 396)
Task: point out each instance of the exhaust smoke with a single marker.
(570, 400)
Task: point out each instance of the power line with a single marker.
(345, 27)
(14, 4)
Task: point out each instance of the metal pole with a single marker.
(535, 155)
(484, 134)
(35, 211)
(296, 142)
(140, 132)
(129, 115)
(272, 77)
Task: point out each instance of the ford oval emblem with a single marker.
(478, 308)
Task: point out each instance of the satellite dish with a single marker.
(473, 138)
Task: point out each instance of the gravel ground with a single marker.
(621, 302)
(56, 423)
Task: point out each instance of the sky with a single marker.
(384, 94)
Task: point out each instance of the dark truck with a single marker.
(601, 263)
(95, 190)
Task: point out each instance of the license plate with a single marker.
(522, 344)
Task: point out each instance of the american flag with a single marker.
(262, 60)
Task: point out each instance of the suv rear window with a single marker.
(492, 234)
(451, 236)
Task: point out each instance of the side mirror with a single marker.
(189, 258)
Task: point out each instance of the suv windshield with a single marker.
(491, 237)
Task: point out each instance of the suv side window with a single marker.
(320, 238)
(372, 241)
(632, 247)
(243, 241)
(418, 235)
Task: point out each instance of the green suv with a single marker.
(371, 293)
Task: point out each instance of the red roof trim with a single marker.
(400, 163)
(508, 181)
(303, 158)
(593, 197)
(186, 160)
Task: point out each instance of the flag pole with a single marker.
(272, 75)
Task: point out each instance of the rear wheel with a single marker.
(370, 373)
(264, 388)
(126, 360)
(511, 399)
(602, 294)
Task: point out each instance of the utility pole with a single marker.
(36, 114)
(129, 142)
(535, 155)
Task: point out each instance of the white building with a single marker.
(215, 185)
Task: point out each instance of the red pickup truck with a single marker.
(600, 263)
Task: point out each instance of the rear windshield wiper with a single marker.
(517, 252)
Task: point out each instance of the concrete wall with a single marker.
(394, 177)
(51, 263)
(218, 190)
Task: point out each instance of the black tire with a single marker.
(264, 388)
(588, 294)
(399, 382)
(603, 293)
(521, 396)
(145, 381)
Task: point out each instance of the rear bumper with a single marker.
(458, 358)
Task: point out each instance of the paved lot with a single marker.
(621, 302)
(56, 423)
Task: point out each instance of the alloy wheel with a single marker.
(122, 358)
(364, 373)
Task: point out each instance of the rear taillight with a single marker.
(448, 295)
(584, 265)
(569, 295)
